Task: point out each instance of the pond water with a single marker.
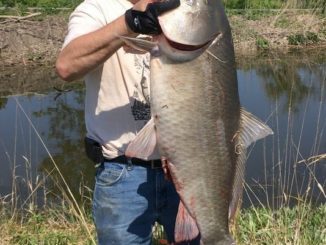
(287, 92)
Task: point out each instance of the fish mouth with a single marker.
(185, 47)
(188, 47)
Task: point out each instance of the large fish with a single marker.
(197, 122)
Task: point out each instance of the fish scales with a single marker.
(196, 109)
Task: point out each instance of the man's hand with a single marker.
(145, 21)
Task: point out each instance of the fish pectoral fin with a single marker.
(140, 44)
(186, 228)
(251, 129)
(144, 143)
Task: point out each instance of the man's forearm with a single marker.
(86, 52)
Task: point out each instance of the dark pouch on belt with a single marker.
(93, 150)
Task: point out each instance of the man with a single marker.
(130, 194)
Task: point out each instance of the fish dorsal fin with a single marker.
(144, 143)
(251, 128)
(140, 44)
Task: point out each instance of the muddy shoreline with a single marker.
(28, 48)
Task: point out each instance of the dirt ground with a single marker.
(29, 47)
(28, 42)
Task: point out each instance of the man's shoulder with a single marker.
(100, 11)
(104, 4)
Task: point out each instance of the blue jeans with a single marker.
(127, 202)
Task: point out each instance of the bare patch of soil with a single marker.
(28, 42)
(28, 49)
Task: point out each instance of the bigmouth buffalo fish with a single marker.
(197, 123)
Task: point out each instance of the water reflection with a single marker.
(58, 123)
(288, 93)
(277, 84)
(66, 131)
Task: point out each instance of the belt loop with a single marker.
(129, 165)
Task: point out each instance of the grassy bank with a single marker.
(232, 4)
(32, 31)
(302, 224)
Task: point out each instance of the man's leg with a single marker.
(123, 205)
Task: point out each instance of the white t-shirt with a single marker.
(117, 92)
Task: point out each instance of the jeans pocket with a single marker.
(110, 174)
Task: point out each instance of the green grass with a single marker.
(40, 3)
(303, 39)
(262, 43)
(302, 224)
(272, 4)
(282, 22)
(254, 4)
(50, 226)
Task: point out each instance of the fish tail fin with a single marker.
(186, 228)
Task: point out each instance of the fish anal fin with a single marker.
(186, 228)
(144, 143)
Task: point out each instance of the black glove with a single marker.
(146, 22)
